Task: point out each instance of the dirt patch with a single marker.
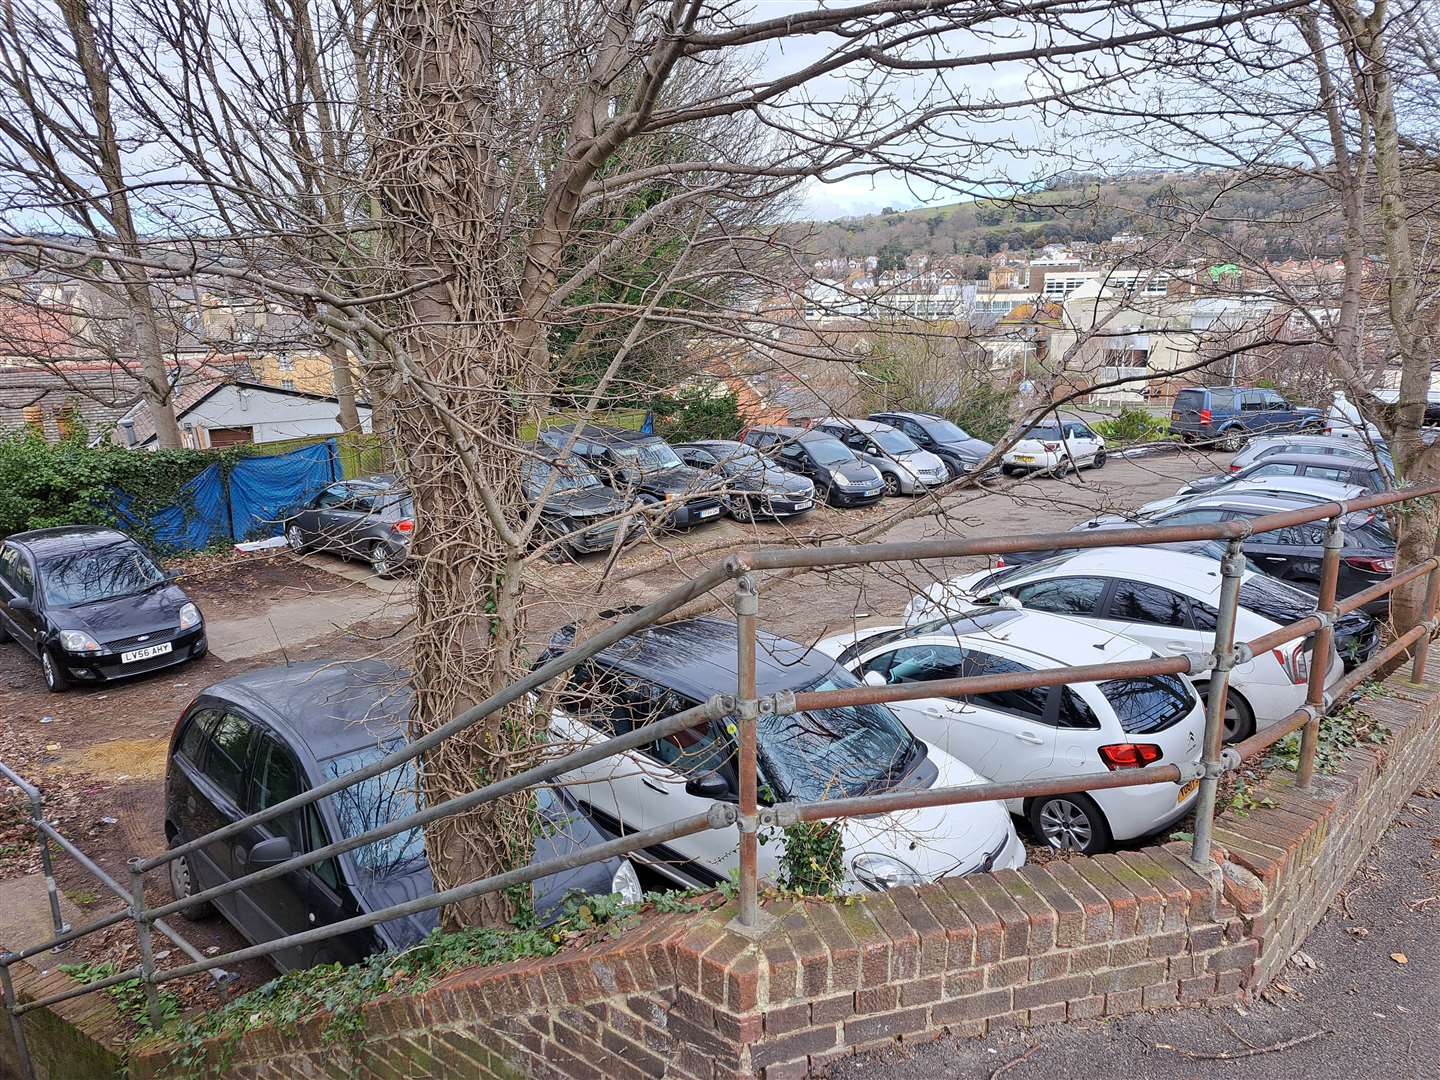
(119, 759)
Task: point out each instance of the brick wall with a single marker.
(82, 1037)
(691, 997)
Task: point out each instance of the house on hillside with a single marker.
(218, 413)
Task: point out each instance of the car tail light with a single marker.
(1371, 564)
(404, 525)
(1297, 664)
(1236, 468)
(1127, 755)
(1206, 416)
(1051, 446)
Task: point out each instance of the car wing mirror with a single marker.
(874, 678)
(269, 852)
(21, 603)
(710, 785)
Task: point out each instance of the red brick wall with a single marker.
(690, 997)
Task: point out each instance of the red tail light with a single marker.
(1373, 565)
(1127, 755)
(1236, 468)
(1051, 446)
(1206, 416)
(1296, 665)
(404, 525)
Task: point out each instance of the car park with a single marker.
(905, 468)
(91, 605)
(1055, 445)
(1168, 601)
(578, 514)
(370, 518)
(754, 486)
(1340, 470)
(253, 741)
(948, 441)
(643, 468)
(837, 473)
(1322, 445)
(804, 757)
(1231, 415)
(1050, 731)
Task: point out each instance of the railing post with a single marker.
(17, 1025)
(747, 605)
(142, 937)
(1427, 614)
(1324, 641)
(37, 815)
(1231, 568)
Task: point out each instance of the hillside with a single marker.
(1276, 218)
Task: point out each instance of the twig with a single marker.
(1007, 1066)
(1231, 1055)
(1417, 905)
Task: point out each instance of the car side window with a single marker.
(1195, 517)
(1252, 403)
(229, 751)
(15, 569)
(317, 837)
(1321, 472)
(1202, 616)
(1029, 704)
(1275, 401)
(693, 752)
(196, 736)
(922, 663)
(333, 496)
(911, 428)
(693, 455)
(275, 778)
(1074, 713)
(1275, 468)
(1064, 596)
(1149, 604)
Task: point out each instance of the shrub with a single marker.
(697, 413)
(984, 410)
(813, 860)
(1132, 425)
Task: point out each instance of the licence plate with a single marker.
(1187, 791)
(872, 491)
(1024, 457)
(803, 504)
(710, 513)
(146, 653)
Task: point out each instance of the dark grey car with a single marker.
(253, 741)
(578, 512)
(754, 486)
(844, 479)
(955, 446)
(370, 518)
(1364, 474)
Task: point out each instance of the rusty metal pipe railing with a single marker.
(1384, 588)
(1320, 652)
(37, 816)
(1232, 568)
(1427, 614)
(748, 710)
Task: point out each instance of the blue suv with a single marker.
(1230, 415)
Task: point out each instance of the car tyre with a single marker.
(295, 538)
(1008, 470)
(56, 680)
(1232, 441)
(380, 559)
(1239, 716)
(892, 485)
(1069, 823)
(1099, 458)
(1063, 469)
(743, 509)
(182, 886)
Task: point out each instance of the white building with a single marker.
(233, 413)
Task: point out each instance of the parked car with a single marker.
(1230, 415)
(1343, 421)
(1295, 489)
(1055, 445)
(1340, 470)
(1312, 445)
(253, 741)
(951, 443)
(642, 468)
(806, 757)
(577, 511)
(370, 518)
(92, 605)
(1050, 731)
(905, 468)
(1292, 554)
(838, 474)
(754, 487)
(1168, 601)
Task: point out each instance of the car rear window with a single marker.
(1190, 399)
(1148, 704)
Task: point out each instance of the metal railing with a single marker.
(745, 813)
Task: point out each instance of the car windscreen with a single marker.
(649, 456)
(107, 573)
(1044, 432)
(571, 476)
(945, 431)
(833, 753)
(1275, 599)
(894, 442)
(828, 451)
(374, 802)
(743, 462)
(1148, 704)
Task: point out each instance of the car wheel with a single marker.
(742, 509)
(892, 485)
(1069, 823)
(1063, 469)
(1099, 459)
(1008, 470)
(55, 679)
(1232, 441)
(295, 537)
(1239, 717)
(182, 886)
(381, 561)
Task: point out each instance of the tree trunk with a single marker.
(344, 382)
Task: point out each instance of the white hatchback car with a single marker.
(807, 757)
(1050, 731)
(1060, 445)
(1166, 599)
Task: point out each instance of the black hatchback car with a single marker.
(258, 739)
(92, 605)
(642, 468)
(577, 512)
(754, 486)
(844, 479)
(370, 518)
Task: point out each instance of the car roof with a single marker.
(1324, 460)
(1044, 639)
(327, 707)
(602, 433)
(67, 538)
(384, 481)
(1163, 564)
(864, 426)
(718, 444)
(1303, 488)
(907, 414)
(696, 657)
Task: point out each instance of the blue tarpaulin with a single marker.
(248, 504)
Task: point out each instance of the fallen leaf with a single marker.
(1399, 958)
(1358, 931)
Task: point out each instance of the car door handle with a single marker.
(653, 786)
(1029, 737)
(1177, 646)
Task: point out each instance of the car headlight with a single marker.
(78, 641)
(627, 883)
(671, 496)
(877, 872)
(189, 616)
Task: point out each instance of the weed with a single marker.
(129, 996)
(813, 862)
(81, 897)
(1340, 732)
